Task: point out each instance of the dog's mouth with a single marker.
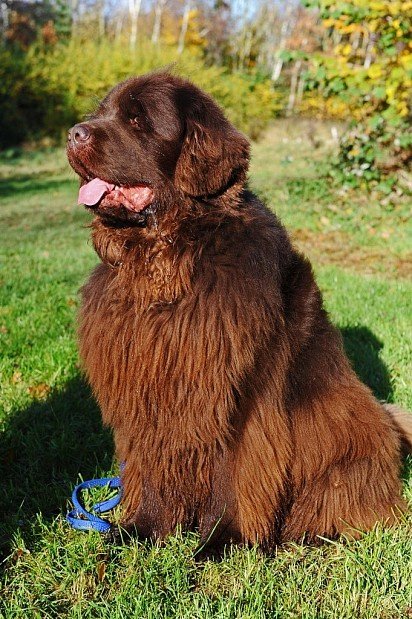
(99, 193)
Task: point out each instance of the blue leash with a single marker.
(79, 518)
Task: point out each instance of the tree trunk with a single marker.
(118, 27)
(134, 10)
(369, 51)
(277, 69)
(101, 18)
(285, 31)
(293, 86)
(75, 14)
(160, 5)
(183, 29)
(300, 87)
(4, 14)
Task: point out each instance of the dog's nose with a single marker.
(79, 134)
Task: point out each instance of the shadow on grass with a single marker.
(45, 446)
(26, 184)
(362, 348)
(43, 450)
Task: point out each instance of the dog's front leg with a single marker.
(146, 513)
(218, 522)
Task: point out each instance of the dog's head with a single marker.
(153, 137)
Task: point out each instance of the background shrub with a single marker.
(46, 90)
(369, 71)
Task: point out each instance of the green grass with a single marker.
(369, 233)
(51, 431)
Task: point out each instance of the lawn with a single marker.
(51, 434)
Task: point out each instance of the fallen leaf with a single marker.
(102, 559)
(101, 571)
(39, 391)
(16, 378)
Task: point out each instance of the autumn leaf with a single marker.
(40, 391)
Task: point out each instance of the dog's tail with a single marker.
(402, 421)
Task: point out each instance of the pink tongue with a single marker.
(92, 192)
(133, 198)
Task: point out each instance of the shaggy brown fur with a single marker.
(203, 335)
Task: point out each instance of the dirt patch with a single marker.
(336, 247)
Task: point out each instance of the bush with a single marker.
(46, 90)
(373, 80)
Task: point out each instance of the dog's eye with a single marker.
(134, 122)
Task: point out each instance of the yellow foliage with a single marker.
(378, 6)
(374, 71)
(352, 28)
(403, 109)
(316, 104)
(394, 7)
(376, 97)
(66, 69)
(406, 61)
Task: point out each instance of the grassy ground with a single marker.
(51, 432)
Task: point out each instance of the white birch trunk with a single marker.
(369, 51)
(118, 27)
(293, 86)
(160, 5)
(185, 25)
(134, 10)
(74, 5)
(4, 11)
(102, 25)
(277, 69)
(285, 32)
(300, 87)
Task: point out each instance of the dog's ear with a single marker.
(214, 156)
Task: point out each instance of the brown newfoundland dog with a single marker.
(203, 336)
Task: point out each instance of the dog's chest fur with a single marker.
(126, 296)
(134, 344)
